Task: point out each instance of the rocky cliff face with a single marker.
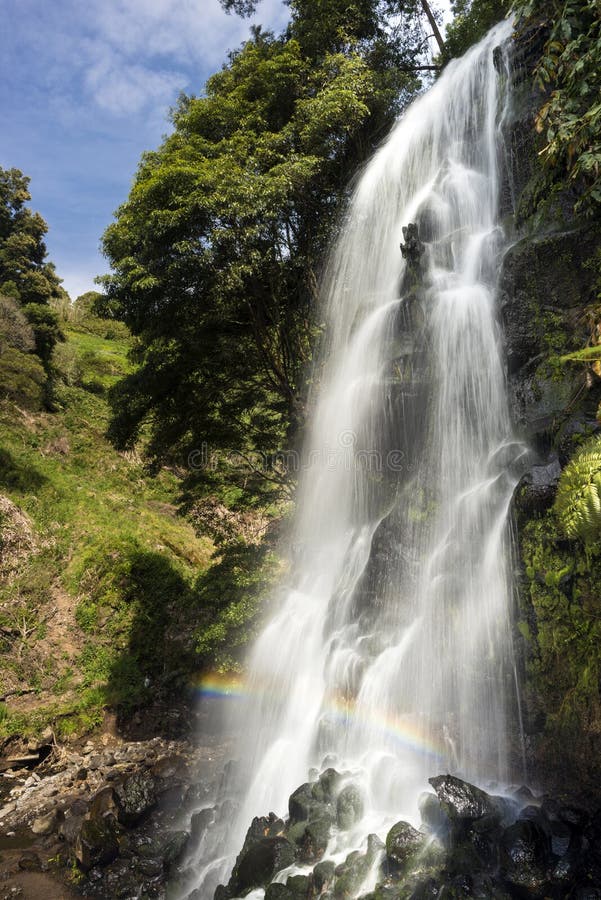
(548, 305)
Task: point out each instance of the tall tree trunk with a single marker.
(433, 25)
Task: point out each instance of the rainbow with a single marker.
(402, 730)
(218, 684)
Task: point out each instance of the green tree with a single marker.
(216, 253)
(471, 20)
(569, 76)
(25, 274)
(21, 374)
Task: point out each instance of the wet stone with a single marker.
(175, 848)
(323, 875)
(523, 855)
(402, 844)
(276, 892)
(258, 865)
(136, 797)
(96, 844)
(298, 886)
(200, 822)
(349, 807)
(460, 799)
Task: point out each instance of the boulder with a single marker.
(258, 865)
(277, 891)
(303, 804)
(431, 812)
(135, 797)
(461, 800)
(329, 781)
(96, 844)
(314, 839)
(175, 848)
(45, 825)
(402, 844)
(349, 875)
(200, 822)
(298, 887)
(524, 856)
(103, 803)
(323, 875)
(349, 807)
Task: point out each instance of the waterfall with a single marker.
(389, 653)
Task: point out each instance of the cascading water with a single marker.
(389, 655)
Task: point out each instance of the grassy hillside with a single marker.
(104, 588)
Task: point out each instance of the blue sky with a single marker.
(85, 88)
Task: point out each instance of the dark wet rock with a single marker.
(257, 865)
(276, 892)
(424, 889)
(375, 847)
(200, 822)
(261, 827)
(314, 839)
(432, 813)
(136, 797)
(151, 866)
(96, 844)
(403, 842)
(70, 827)
(461, 800)
(79, 807)
(524, 855)
(524, 794)
(561, 838)
(298, 886)
(104, 802)
(175, 848)
(586, 892)
(30, 861)
(349, 807)
(323, 875)
(304, 805)
(574, 816)
(330, 782)
(349, 875)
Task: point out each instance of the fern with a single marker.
(578, 501)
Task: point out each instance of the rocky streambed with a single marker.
(112, 819)
(469, 844)
(123, 819)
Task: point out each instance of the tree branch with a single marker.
(433, 24)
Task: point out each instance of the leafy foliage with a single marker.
(32, 283)
(21, 374)
(578, 502)
(217, 250)
(471, 20)
(569, 74)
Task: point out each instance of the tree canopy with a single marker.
(28, 285)
(216, 253)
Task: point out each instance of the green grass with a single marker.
(110, 543)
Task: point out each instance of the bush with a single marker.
(578, 501)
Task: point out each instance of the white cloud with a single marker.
(145, 51)
(123, 87)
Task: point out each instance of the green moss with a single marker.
(561, 623)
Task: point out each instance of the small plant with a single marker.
(578, 501)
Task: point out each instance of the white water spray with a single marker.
(390, 653)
